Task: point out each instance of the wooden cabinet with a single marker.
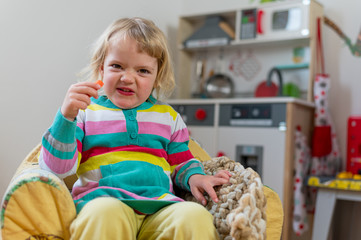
(272, 46)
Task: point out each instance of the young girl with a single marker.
(129, 149)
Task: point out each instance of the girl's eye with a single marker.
(116, 66)
(144, 71)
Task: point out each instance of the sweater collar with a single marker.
(105, 102)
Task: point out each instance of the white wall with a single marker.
(344, 69)
(43, 45)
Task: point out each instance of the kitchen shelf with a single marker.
(293, 66)
(188, 24)
(237, 44)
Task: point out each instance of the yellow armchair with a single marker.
(38, 205)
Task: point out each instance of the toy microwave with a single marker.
(274, 21)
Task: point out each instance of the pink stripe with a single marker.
(104, 127)
(78, 190)
(181, 135)
(58, 165)
(171, 186)
(135, 196)
(176, 170)
(155, 129)
(178, 158)
(119, 189)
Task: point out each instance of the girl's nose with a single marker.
(127, 77)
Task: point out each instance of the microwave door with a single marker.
(283, 21)
(287, 20)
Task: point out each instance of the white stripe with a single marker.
(155, 117)
(104, 115)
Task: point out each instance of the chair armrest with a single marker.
(36, 203)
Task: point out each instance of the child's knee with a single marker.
(104, 207)
(104, 218)
(197, 221)
(194, 212)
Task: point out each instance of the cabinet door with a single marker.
(272, 143)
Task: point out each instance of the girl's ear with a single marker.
(101, 70)
(156, 82)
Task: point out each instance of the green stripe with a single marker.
(79, 134)
(105, 102)
(121, 139)
(176, 147)
(64, 147)
(190, 168)
(62, 129)
(144, 206)
(105, 140)
(57, 153)
(154, 141)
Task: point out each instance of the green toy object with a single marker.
(291, 90)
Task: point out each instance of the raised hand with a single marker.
(78, 97)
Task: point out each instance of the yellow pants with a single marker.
(108, 218)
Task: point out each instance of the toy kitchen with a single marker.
(245, 80)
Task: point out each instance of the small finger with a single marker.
(224, 173)
(219, 181)
(199, 196)
(212, 194)
(94, 85)
(89, 91)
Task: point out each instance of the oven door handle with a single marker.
(260, 15)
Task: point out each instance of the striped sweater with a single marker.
(135, 155)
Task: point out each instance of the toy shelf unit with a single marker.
(271, 28)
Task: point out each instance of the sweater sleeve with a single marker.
(61, 146)
(181, 158)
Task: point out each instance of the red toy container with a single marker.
(354, 144)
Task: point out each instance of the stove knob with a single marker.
(200, 114)
(255, 112)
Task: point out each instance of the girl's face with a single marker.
(128, 75)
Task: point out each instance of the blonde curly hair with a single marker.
(150, 39)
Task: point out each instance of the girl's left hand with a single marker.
(205, 183)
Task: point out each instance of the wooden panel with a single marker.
(297, 115)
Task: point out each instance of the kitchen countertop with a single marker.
(241, 100)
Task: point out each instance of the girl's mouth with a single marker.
(125, 91)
